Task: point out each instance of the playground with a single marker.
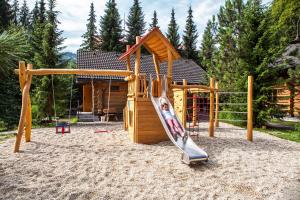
(87, 165)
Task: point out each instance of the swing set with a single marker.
(25, 79)
(62, 127)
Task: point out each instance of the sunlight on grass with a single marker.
(6, 136)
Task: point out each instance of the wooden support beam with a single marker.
(156, 65)
(211, 108)
(137, 67)
(190, 87)
(24, 108)
(184, 102)
(170, 63)
(217, 105)
(91, 72)
(128, 59)
(194, 110)
(28, 123)
(249, 109)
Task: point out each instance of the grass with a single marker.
(285, 123)
(6, 136)
(286, 134)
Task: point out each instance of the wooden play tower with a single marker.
(141, 120)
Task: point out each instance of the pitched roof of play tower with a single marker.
(156, 43)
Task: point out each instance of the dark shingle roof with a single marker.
(182, 68)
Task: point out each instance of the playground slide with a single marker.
(190, 151)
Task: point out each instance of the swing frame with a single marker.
(25, 79)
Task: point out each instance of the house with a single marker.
(287, 95)
(95, 90)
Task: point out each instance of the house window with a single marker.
(115, 88)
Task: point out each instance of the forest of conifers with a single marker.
(243, 38)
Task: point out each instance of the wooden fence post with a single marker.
(250, 109)
(184, 103)
(28, 123)
(211, 108)
(25, 95)
(194, 110)
(137, 67)
(217, 105)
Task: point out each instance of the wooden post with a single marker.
(184, 104)
(128, 59)
(194, 110)
(24, 108)
(157, 70)
(211, 108)
(249, 110)
(217, 105)
(28, 123)
(137, 67)
(170, 74)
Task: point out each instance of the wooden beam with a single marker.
(128, 59)
(28, 123)
(194, 110)
(91, 72)
(137, 67)
(249, 109)
(211, 108)
(24, 108)
(156, 65)
(184, 103)
(191, 87)
(217, 105)
(170, 63)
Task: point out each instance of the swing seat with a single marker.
(63, 127)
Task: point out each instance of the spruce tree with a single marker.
(24, 15)
(135, 22)
(172, 33)
(208, 47)
(5, 15)
(51, 57)
(34, 14)
(42, 12)
(89, 41)
(15, 12)
(110, 28)
(154, 22)
(190, 37)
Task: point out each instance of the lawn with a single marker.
(6, 136)
(284, 134)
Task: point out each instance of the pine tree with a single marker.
(24, 15)
(34, 14)
(172, 33)
(5, 15)
(110, 28)
(42, 12)
(208, 47)
(89, 41)
(135, 22)
(190, 37)
(154, 22)
(15, 12)
(51, 57)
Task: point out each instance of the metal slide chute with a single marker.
(190, 151)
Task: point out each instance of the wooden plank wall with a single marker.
(87, 98)
(283, 99)
(148, 126)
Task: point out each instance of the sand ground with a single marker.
(88, 165)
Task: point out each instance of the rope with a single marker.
(235, 112)
(70, 107)
(93, 99)
(53, 96)
(107, 113)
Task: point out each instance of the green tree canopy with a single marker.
(135, 22)
(89, 41)
(172, 33)
(110, 28)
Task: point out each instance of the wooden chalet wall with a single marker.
(118, 96)
(282, 95)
